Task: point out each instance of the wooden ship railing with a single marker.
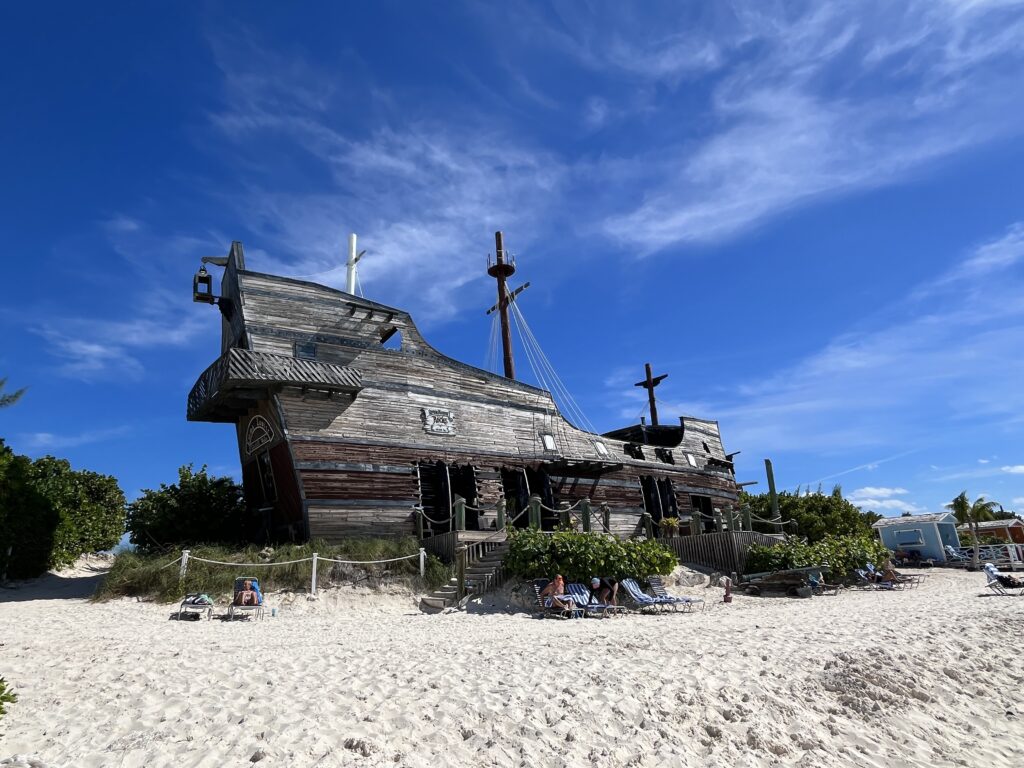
(242, 369)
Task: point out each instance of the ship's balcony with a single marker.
(229, 387)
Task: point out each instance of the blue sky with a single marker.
(810, 216)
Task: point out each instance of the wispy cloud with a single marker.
(930, 348)
(879, 499)
(144, 315)
(37, 442)
(424, 195)
(1016, 469)
(797, 122)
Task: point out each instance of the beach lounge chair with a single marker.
(254, 609)
(953, 556)
(585, 600)
(645, 602)
(906, 581)
(816, 581)
(658, 588)
(196, 604)
(1001, 583)
(864, 581)
(553, 610)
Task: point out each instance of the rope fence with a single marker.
(186, 556)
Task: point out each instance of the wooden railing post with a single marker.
(459, 505)
(460, 570)
(648, 524)
(535, 512)
(585, 514)
(748, 524)
(184, 565)
(563, 514)
(312, 583)
(606, 518)
(423, 562)
(696, 523)
(499, 507)
(419, 523)
(718, 520)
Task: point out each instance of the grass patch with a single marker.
(7, 696)
(150, 576)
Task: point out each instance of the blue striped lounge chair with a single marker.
(585, 600)
(251, 609)
(553, 610)
(864, 581)
(646, 602)
(658, 588)
(1002, 583)
(907, 581)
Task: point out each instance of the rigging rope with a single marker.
(558, 387)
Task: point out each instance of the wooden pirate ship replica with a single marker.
(350, 424)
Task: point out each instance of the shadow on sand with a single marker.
(51, 586)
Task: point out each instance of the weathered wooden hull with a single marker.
(340, 436)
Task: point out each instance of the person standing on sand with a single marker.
(605, 591)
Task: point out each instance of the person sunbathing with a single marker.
(554, 594)
(247, 595)
(1008, 581)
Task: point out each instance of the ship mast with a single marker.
(649, 384)
(501, 270)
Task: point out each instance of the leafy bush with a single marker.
(579, 556)
(7, 696)
(842, 554)
(198, 508)
(156, 576)
(812, 516)
(51, 514)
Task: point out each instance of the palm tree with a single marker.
(971, 514)
(10, 399)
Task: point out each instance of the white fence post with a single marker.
(312, 587)
(423, 562)
(184, 564)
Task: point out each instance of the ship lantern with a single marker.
(202, 286)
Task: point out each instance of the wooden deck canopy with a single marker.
(221, 392)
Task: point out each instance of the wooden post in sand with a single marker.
(419, 522)
(184, 565)
(423, 562)
(312, 585)
(460, 570)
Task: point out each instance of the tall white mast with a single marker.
(350, 277)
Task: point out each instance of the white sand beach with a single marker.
(925, 677)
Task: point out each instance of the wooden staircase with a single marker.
(484, 572)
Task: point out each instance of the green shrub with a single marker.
(155, 577)
(842, 554)
(579, 556)
(198, 508)
(51, 514)
(7, 696)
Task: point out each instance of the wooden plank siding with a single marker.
(352, 419)
(726, 552)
